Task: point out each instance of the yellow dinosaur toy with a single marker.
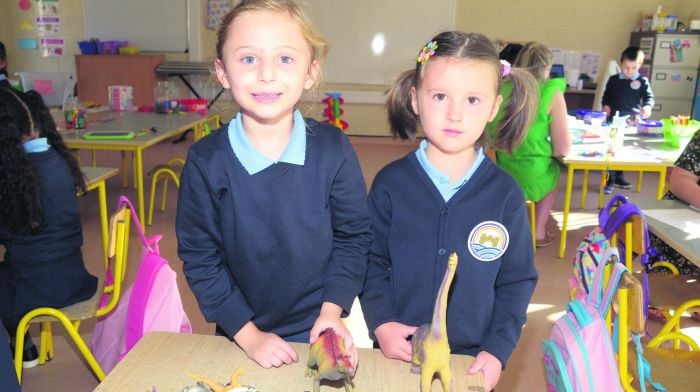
(431, 350)
(215, 386)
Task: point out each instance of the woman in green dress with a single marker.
(533, 163)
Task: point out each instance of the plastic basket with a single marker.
(88, 47)
(650, 128)
(194, 105)
(587, 115)
(110, 47)
(674, 133)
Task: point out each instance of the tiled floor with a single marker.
(524, 372)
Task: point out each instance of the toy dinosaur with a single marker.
(431, 350)
(328, 360)
(215, 387)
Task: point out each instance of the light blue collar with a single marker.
(2, 77)
(634, 77)
(442, 180)
(252, 160)
(39, 144)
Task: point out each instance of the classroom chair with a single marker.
(675, 369)
(71, 316)
(669, 293)
(171, 170)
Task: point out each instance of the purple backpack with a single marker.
(152, 303)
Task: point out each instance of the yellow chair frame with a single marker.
(171, 171)
(71, 316)
(633, 319)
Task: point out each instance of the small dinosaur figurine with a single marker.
(220, 388)
(431, 350)
(328, 360)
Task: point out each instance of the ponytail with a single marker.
(518, 111)
(402, 119)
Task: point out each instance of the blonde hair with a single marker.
(317, 44)
(534, 57)
(519, 109)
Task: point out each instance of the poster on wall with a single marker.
(52, 47)
(48, 25)
(216, 10)
(48, 8)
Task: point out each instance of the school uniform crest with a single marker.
(488, 241)
(635, 84)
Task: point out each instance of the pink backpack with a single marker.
(579, 354)
(152, 303)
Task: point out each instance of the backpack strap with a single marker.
(605, 212)
(601, 300)
(136, 222)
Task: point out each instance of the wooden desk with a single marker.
(160, 359)
(638, 154)
(168, 125)
(95, 178)
(674, 223)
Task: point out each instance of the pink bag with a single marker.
(579, 355)
(152, 303)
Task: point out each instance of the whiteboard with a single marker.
(152, 25)
(351, 26)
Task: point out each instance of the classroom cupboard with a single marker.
(96, 73)
(671, 62)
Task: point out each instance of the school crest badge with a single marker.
(488, 241)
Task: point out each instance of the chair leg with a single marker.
(639, 181)
(164, 172)
(45, 343)
(584, 188)
(152, 199)
(533, 227)
(164, 194)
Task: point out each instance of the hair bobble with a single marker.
(505, 68)
(427, 51)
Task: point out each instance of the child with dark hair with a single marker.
(4, 82)
(629, 94)
(39, 222)
(447, 197)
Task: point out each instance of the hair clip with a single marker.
(427, 51)
(505, 68)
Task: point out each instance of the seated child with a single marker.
(39, 221)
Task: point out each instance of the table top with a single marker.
(94, 174)
(160, 360)
(651, 151)
(675, 223)
(167, 125)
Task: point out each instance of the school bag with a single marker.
(151, 303)
(589, 253)
(579, 356)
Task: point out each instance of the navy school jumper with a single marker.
(273, 246)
